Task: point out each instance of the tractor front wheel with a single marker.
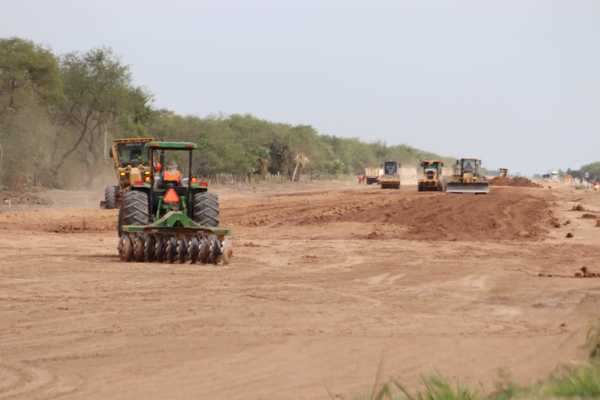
(134, 209)
(206, 209)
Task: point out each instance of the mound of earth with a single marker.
(504, 214)
(518, 181)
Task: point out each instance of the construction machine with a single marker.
(131, 165)
(169, 216)
(431, 176)
(467, 178)
(372, 175)
(391, 175)
(503, 172)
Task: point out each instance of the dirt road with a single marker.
(326, 283)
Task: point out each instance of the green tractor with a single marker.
(169, 217)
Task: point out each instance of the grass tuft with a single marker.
(593, 341)
(435, 388)
(582, 382)
(505, 391)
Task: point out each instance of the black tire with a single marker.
(206, 209)
(134, 209)
(110, 197)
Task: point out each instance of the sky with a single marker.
(513, 82)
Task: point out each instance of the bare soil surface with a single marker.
(327, 282)
(512, 181)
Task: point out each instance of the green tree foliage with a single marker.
(30, 85)
(98, 96)
(58, 113)
(55, 111)
(590, 172)
(27, 71)
(245, 145)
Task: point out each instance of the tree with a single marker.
(30, 85)
(27, 71)
(98, 94)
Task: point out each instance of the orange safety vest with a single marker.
(172, 176)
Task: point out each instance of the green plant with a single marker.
(505, 390)
(581, 382)
(593, 341)
(438, 388)
(435, 387)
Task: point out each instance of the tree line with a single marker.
(59, 112)
(588, 172)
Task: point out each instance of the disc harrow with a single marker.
(199, 248)
(174, 238)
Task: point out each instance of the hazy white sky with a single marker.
(514, 82)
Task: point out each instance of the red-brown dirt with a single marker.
(324, 289)
(504, 214)
(517, 181)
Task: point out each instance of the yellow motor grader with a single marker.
(131, 167)
(467, 178)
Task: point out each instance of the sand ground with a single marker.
(328, 281)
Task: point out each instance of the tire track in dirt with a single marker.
(27, 381)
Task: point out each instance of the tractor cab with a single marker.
(390, 168)
(468, 168)
(131, 154)
(170, 185)
(391, 175)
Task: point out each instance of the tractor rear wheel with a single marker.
(110, 197)
(206, 209)
(134, 209)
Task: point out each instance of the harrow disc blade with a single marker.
(215, 250)
(193, 249)
(181, 250)
(227, 249)
(125, 248)
(171, 250)
(204, 252)
(159, 249)
(138, 249)
(149, 248)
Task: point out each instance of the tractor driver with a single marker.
(172, 173)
